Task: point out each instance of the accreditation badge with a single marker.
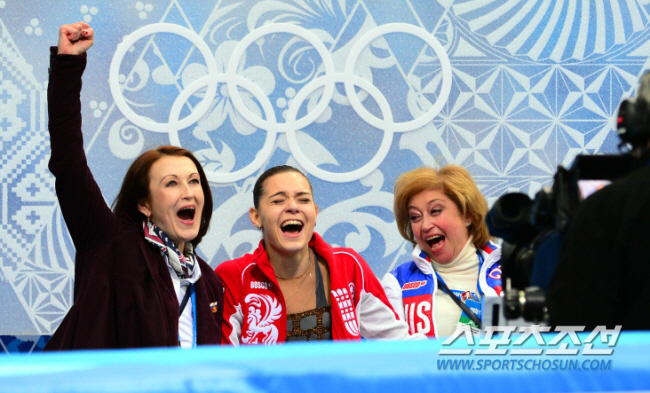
(473, 302)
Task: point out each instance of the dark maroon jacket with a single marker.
(123, 292)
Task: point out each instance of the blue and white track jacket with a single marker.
(411, 287)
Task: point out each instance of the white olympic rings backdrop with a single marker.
(291, 124)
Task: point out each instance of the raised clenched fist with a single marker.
(75, 38)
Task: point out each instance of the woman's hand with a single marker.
(75, 39)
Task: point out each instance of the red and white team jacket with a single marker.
(255, 311)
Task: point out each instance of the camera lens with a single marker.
(509, 218)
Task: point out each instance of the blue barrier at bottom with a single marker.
(369, 366)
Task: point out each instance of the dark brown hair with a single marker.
(135, 187)
(258, 189)
(457, 184)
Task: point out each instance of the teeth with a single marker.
(434, 237)
(291, 222)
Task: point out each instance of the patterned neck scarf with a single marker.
(182, 264)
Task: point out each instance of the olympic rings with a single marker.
(257, 92)
(357, 173)
(113, 77)
(256, 34)
(292, 124)
(446, 75)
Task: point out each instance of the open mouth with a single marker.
(186, 213)
(435, 242)
(291, 227)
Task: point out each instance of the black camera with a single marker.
(532, 230)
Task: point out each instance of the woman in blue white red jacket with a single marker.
(295, 286)
(441, 212)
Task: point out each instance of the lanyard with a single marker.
(189, 293)
(443, 287)
(478, 280)
(460, 304)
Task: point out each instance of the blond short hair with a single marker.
(457, 184)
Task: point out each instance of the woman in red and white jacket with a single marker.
(294, 286)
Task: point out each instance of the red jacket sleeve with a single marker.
(232, 313)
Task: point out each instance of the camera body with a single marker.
(517, 308)
(532, 231)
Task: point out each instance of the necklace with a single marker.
(303, 275)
